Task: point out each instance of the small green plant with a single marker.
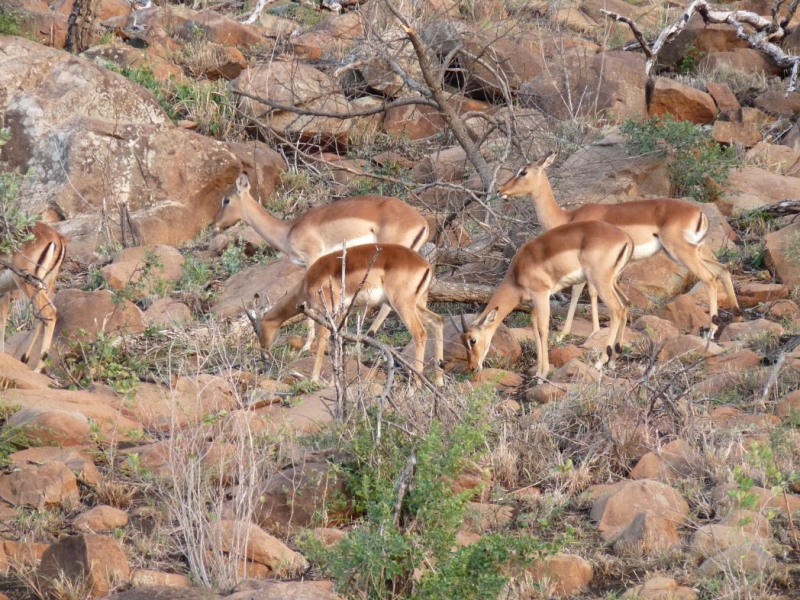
(698, 165)
(10, 22)
(104, 359)
(690, 60)
(14, 221)
(400, 533)
(196, 275)
(233, 258)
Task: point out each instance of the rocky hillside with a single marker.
(157, 455)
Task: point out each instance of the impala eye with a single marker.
(226, 201)
(473, 341)
(522, 173)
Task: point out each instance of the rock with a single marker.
(164, 592)
(78, 461)
(447, 164)
(307, 414)
(100, 518)
(576, 371)
(774, 157)
(710, 540)
(737, 362)
(788, 405)
(413, 122)
(616, 509)
(166, 312)
(68, 418)
(739, 560)
(42, 487)
(614, 81)
(751, 330)
(144, 578)
(687, 347)
(687, 313)
(751, 293)
(675, 460)
(293, 497)
(293, 83)
(781, 254)
(83, 315)
(295, 590)
(564, 574)
(45, 27)
(660, 588)
(741, 134)
(542, 393)
(646, 535)
(144, 270)
(214, 27)
(724, 98)
(270, 281)
(500, 380)
(685, 103)
(746, 60)
(20, 553)
(486, 515)
(125, 56)
(728, 416)
(96, 560)
(236, 538)
(655, 328)
(18, 375)
(750, 188)
(728, 495)
(779, 103)
(748, 521)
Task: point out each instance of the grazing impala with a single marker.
(590, 251)
(375, 274)
(675, 226)
(34, 268)
(323, 229)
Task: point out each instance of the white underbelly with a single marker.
(370, 238)
(368, 296)
(647, 250)
(570, 279)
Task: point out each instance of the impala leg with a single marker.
(311, 327)
(595, 312)
(617, 303)
(436, 323)
(420, 337)
(577, 290)
(382, 314)
(540, 320)
(321, 347)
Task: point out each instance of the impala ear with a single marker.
(546, 160)
(491, 317)
(243, 183)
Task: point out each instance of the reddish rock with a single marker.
(686, 313)
(781, 254)
(746, 60)
(271, 281)
(750, 329)
(748, 521)
(660, 588)
(543, 393)
(241, 539)
(413, 122)
(40, 486)
(561, 355)
(688, 347)
(656, 328)
(723, 97)
(646, 535)
(673, 461)
(78, 461)
(143, 578)
(750, 293)
(93, 312)
(20, 553)
(751, 188)
(774, 157)
(96, 560)
(166, 312)
(565, 574)
(101, 518)
(616, 509)
(733, 362)
(685, 103)
(710, 540)
(779, 103)
(739, 560)
(125, 56)
(740, 134)
(788, 405)
(18, 374)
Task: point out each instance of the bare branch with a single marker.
(637, 33)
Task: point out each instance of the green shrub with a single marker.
(10, 22)
(14, 221)
(416, 530)
(698, 164)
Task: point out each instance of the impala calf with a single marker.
(34, 268)
(324, 229)
(374, 274)
(675, 226)
(567, 255)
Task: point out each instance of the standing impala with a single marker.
(590, 251)
(675, 226)
(34, 268)
(324, 229)
(375, 274)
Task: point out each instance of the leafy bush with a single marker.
(401, 533)
(10, 22)
(14, 221)
(698, 164)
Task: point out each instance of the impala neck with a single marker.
(505, 299)
(274, 231)
(548, 211)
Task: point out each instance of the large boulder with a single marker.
(610, 83)
(295, 84)
(685, 103)
(96, 560)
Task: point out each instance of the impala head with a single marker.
(528, 180)
(230, 211)
(477, 339)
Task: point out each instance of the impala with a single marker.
(590, 251)
(675, 226)
(33, 269)
(324, 229)
(374, 274)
